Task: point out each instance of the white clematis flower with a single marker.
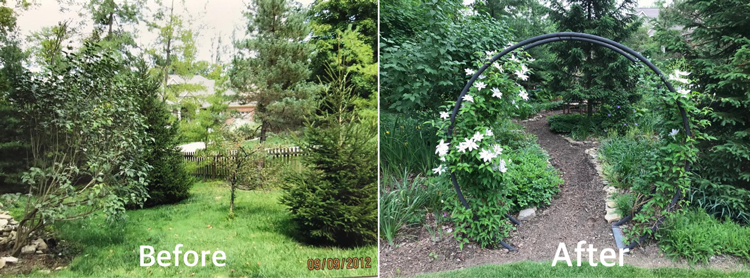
(497, 66)
(439, 170)
(501, 166)
(469, 71)
(488, 133)
(521, 75)
(442, 148)
(497, 149)
(674, 132)
(468, 98)
(496, 93)
(477, 137)
(444, 115)
(480, 85)
(486, 156)
(470, 144)
(523, 94)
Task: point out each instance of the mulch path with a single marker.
(576, 214)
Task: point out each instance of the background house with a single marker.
(198, 89)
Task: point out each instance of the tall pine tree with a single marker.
(584, 71)
(271, 67)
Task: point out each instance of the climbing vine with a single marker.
(669, 176)
(474, 154)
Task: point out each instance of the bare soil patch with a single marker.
(576, 214)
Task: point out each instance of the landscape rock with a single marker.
(10, 260)
(611, 204)
(611, 216)
(527, 214)
(28, 249)
(5, 216)
(40, 244)
(2, 264)
(3, 223)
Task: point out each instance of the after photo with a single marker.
(593, 138)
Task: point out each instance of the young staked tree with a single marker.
(334, 200)
(272, 65)
(585, 71)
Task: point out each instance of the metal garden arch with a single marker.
(633, 56)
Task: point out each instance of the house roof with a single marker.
(648, 12)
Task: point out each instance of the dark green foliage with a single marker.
(406, 143)
(423, 69)
(335, 200)
(696, 236)
(168, 181)
(628, 159)
(530, 179)
(717, 53)
(349, 25)
(13, 150)
(624, 203)
(584, 70)
(271, 65)
(565, 123)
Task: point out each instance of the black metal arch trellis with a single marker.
(632, 55)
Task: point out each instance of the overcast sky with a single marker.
(220, 17)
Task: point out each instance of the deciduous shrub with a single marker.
(530, 180)
(565, 123)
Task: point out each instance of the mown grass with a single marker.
(545, 269)
(259, 242)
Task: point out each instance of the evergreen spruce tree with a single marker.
(12, 148)
(334, 200)
(168, 180)
(272, 66)
(585, 71)
(715, 42)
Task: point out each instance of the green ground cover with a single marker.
(545, 269)
(259, 242)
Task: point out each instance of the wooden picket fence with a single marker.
(277, 157)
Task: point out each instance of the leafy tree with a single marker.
(86, 138)
(334, 200)
(584, 71)
(111, 20)
(47, 44)
(525, 18)
(272, 66)
(422, 70)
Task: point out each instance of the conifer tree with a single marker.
(585, 71)
(272, 65)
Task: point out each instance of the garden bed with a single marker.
(576, 214)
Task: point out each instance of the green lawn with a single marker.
(545, 269)
(257, 243)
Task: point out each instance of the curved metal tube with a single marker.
(569, 36)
